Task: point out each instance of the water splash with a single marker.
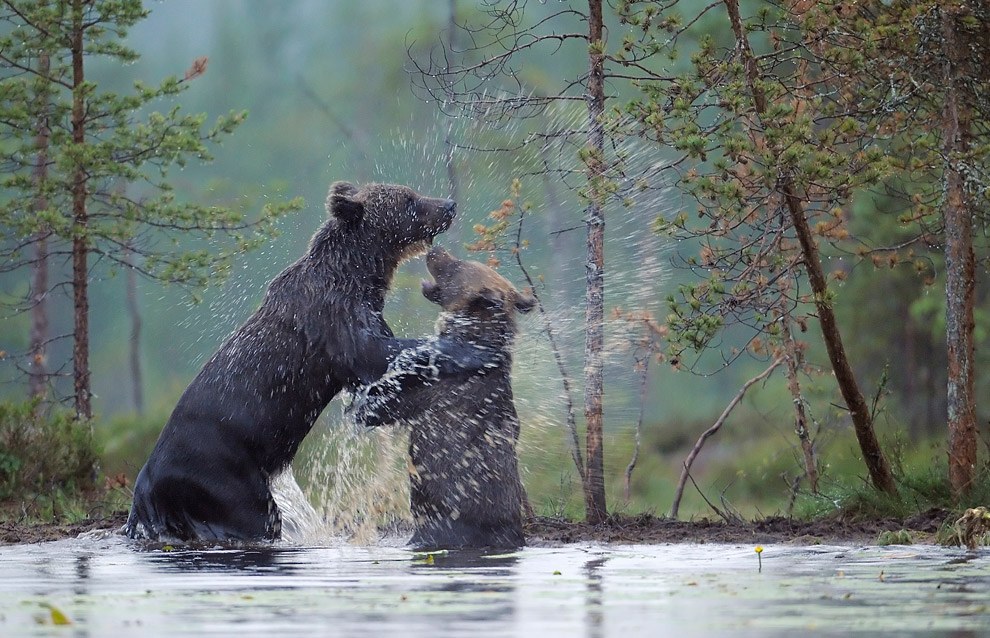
(356, 479)
(300, 522)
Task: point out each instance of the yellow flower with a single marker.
(759, 549)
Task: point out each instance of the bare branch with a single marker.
(686, 466)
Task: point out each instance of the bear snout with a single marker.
(431, 291)
(437, 259)
(437, 213)
(449, 209)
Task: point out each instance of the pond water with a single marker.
(110, 587)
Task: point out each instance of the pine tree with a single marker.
(99, 195)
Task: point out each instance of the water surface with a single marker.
(108, 587)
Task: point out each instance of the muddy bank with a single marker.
(644, 529)
(652, 530)
(17, 533)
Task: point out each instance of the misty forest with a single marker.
(755, 234)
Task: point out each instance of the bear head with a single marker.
(392, 216)
(478, 296)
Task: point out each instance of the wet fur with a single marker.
(319, 329)
(465, 489)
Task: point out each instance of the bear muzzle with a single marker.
(437, 259)
(449, 209)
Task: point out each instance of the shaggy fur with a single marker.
(319, 329)
(465, 487)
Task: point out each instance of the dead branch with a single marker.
(686, 470)
(793, 357)
(627, 486)
(565, 377)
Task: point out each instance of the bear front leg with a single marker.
(401, 394)
(426, 360)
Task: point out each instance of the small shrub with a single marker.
(972, 529)
(48, 460)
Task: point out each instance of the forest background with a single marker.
(332, 93)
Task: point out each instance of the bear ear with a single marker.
(524, 302)
(489, 298)
(342, 204)
(343, 188)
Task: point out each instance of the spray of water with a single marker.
(357, 480)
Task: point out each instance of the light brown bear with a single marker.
(465, 486)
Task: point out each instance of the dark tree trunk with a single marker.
(38, 375)
(859, 411)
(960, 263)
(80, 242)
(594, 487)
(862, 419)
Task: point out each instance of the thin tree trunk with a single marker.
(135, 346)
(594, 487)
(38, 376)
(960, 264)
(859, 411)
(793, 360)
(80, 245)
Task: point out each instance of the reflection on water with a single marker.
(111, 587)
(225, 562)
(594, 598)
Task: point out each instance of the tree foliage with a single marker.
(106, 188)
(807, 110)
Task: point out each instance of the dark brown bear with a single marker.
(319, 329)
(465, 487)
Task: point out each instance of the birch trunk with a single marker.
(594, 486)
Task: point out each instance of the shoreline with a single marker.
(640, 529)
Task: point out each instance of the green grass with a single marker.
(48, 464)
(46, 469)
(749, 468)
